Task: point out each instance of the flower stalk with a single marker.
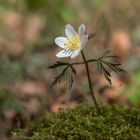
(89, 81)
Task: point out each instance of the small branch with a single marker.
(76, 63)
(88, 61)
(92, 60)
(59, 64)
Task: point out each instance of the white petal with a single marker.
(76, 53)
(84, 41)
(81, 31)
(61, 41)
(70, 31)
(63, 53)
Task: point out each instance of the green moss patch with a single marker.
(83, 123)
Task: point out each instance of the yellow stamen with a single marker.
(73, 43)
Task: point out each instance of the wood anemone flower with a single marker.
(73, 43)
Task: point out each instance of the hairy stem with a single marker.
(89, 81)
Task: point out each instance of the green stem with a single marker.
(89, 81)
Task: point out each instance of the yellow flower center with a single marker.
(73, 43)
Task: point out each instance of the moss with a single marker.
(83, 123)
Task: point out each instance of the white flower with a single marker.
(74, 43)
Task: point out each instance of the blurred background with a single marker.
(27, 32)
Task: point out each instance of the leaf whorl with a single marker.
(102, 62)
